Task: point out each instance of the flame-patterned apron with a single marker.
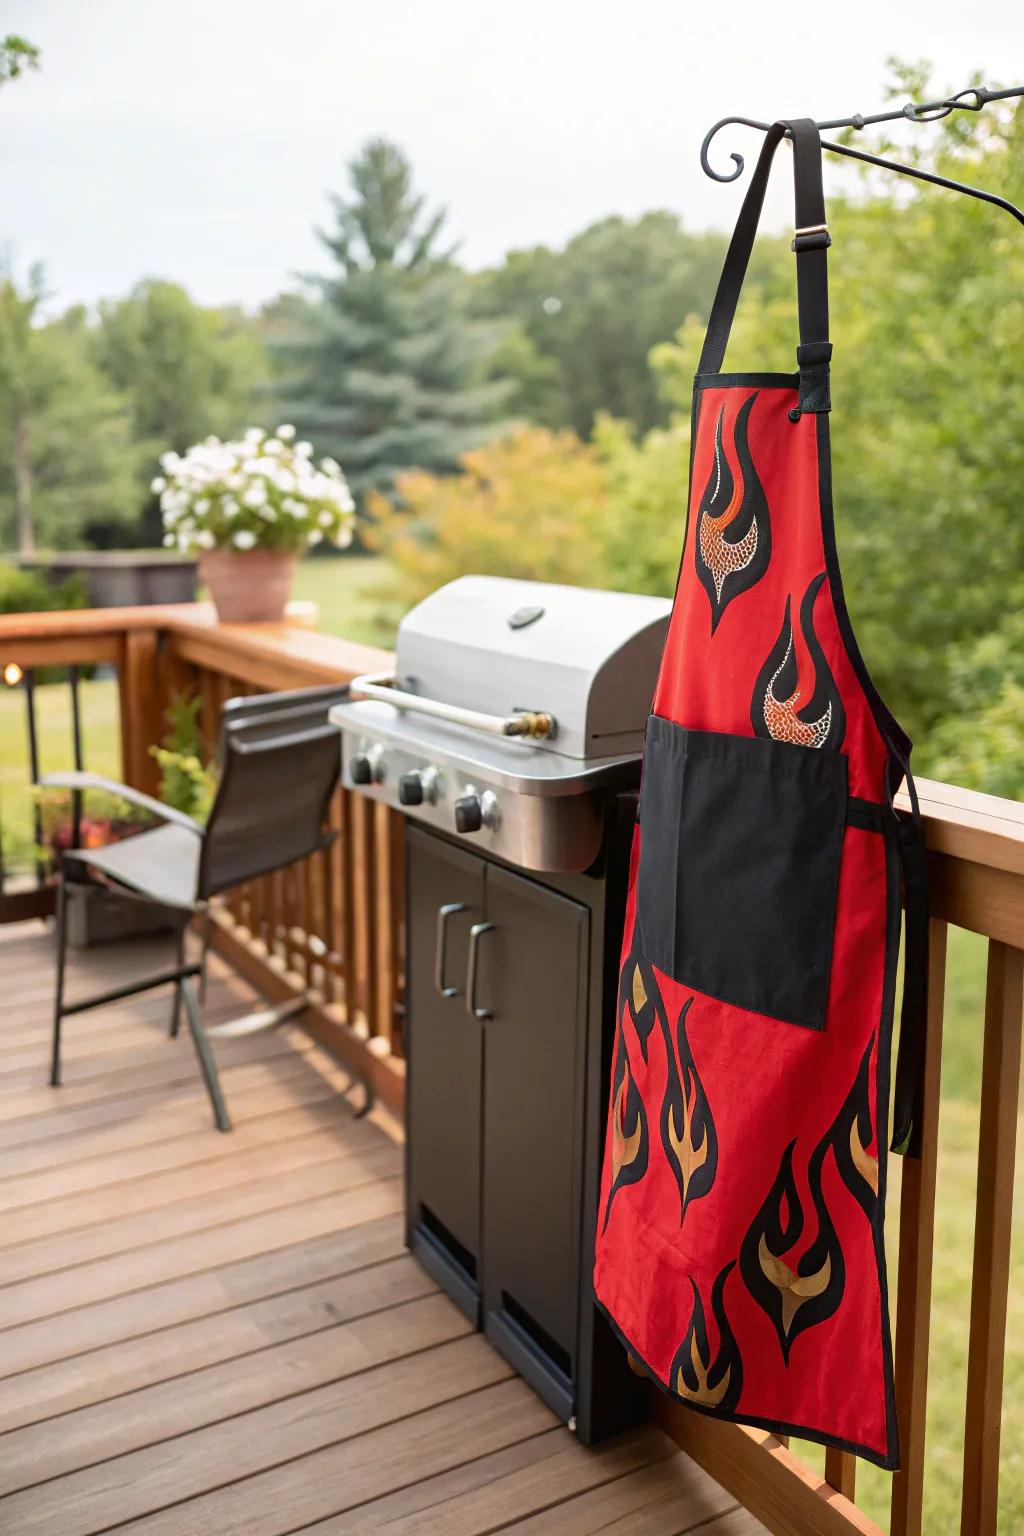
(739, 1249)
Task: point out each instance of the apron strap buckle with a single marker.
(813, 237)
(813, 358)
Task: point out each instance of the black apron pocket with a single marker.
(740, 844)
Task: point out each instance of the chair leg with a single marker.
(369, 1099)
(204, 952)
(179, 955)
(207, 1064)
(58, 1002)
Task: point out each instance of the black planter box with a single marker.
(96, 916)
(123, 578)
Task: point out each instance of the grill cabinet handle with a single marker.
(443, 914)
(474, 950)
(383, 687)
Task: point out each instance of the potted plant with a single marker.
(248, 508)
(96, 915)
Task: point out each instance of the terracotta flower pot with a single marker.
(248, 586)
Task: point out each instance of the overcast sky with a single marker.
(195, 139)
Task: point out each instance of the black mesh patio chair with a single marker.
(279, 760)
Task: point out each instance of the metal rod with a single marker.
(29, 682)
(178, 974)
(383, 688)
(973, 99)
(76, 746)
(58, 1000)
(207, 1064)
(929, 176)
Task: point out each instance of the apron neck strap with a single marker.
(810, 243)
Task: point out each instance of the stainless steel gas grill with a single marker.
(511, 735)
(514, 708)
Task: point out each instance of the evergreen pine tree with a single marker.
(386, 370)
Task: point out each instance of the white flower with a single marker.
(205, 539)
(343, 537)
(273, 447)
(304, 450)
(255, 496)
(229, 506)
(254, 435)
(286, 433)
(169, 462)
(243, 539)
(158, 485)
(203, 505)
(331, 467)
(326, 519)
(169, 541)
(314, 537)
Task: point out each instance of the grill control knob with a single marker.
(360, 769)
(475, 810)
(469, 816)
(419, 785)
(366, 767)
(410, 789)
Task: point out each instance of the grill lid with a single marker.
(504, 647)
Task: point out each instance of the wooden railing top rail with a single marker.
(285, 655)
(966, 824)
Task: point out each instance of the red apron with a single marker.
(740, 1253)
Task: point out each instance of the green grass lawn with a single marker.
(349, 593)
(352, 596)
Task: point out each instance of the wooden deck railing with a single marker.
(331, 926)
(334, 927)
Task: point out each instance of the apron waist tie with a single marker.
(908, 1097)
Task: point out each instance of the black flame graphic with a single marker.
(796, 1296)
(639, 993)
(734, 538)
(697, 1376)
(783, 706)
(627, 1125)
(687, 1128)
(852, 1134)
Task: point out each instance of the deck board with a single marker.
(208, 1333)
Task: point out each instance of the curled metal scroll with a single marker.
(973, 99)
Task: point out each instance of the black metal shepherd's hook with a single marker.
(971, 100)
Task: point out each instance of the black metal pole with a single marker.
(33, 767)
(76, 738)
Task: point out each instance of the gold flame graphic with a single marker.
(865, 1164)
(689, 1157)
(624, 1147)
(794, 1289)
(708, 1397)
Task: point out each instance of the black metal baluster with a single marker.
(29, 682)
(76, 737)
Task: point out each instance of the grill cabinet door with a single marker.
(445, 1070)
(533, 977)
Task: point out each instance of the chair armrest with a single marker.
(84, 781)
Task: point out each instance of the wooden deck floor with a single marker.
(207, 1333)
